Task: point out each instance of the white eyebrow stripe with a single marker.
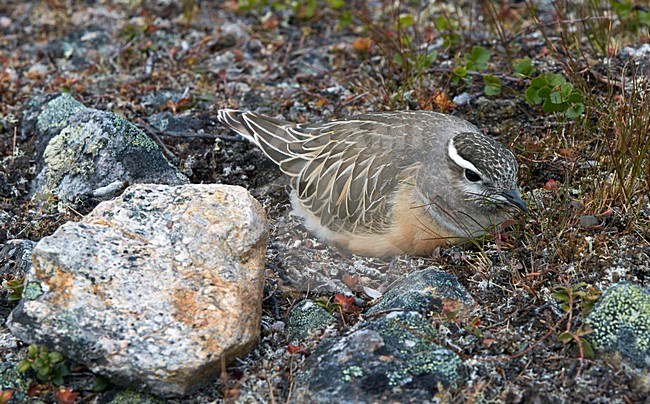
(453, 154)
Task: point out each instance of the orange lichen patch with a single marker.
(186, 308)
(191, 310)
(57, 281)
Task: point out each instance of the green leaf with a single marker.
(492, 85)
(575, 97)
(32, 351)
(539, 82)
(23, 366)
(244, 5)
(57, 380)
(480, 57)
(346, 19)
(531, 96)
(336, 4)
(644, 18)
(43, 373)
(55, 357)
(424, 61)
(549, 106)
(460, 71)
(587, 349)
(39, 363)
(441, 24)
(555, 97)
(405, 21)
(565, 89)
(100, 383)
(523, 67)
(544, 92)
(561, 296)
(622, 7)
(575, 110)
(565, 337)
(555, 79)
(279, 5)
(62, 369)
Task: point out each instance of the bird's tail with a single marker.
(272, 136)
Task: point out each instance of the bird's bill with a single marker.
(515, 200)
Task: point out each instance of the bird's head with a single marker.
(485, 171)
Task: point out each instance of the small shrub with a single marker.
(49, 367)
(555, 94)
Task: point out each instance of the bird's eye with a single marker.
(472, 176)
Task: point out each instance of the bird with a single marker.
(389, 183)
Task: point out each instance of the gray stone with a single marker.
(15, 257)
(620, 321)
(305, 319)
(427, 289)
(84, 149)
(588, 221)
(387, 359)
(152, 289)
(174, 124)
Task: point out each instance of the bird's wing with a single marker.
(346, 172)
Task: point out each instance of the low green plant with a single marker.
(580, 296)
(475, 61)
(14, 288)
(555, 94)
(49, 367)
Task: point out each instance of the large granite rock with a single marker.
(152, 289)
(84, 152)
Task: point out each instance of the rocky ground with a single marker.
(169, 66)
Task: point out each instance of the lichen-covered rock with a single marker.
(152, 289)
(86, 152)
(12, 379)
(389, 358)
(621, 323)
(131, 396)
(15, 257)
(307, 318)
(427, 289)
